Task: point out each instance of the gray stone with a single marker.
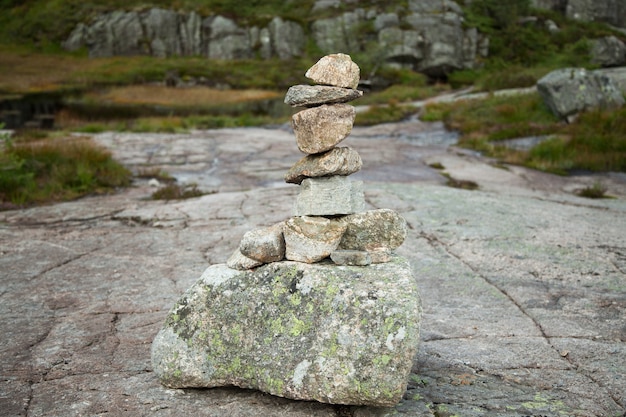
(315, 95)
(337, 70)
(320, 129)
(161, 28)
(337, 161)
(386, 20)
(224, 39)
(608, 52)
(374, 230)
(607, 11)
(287, 38)
(571, 90)
(76, 39)
(434, 6)
(116, 33)
(340, 335)
(311, 239)
(241, 262)
(264, 245)
(351, 257)
(380, 255)
(551, 26)
(617, 76)
(329, 196)
(401, 45)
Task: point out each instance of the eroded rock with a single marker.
(374, 230)
(316, 95)
(329, 196)
(351, 257)
(264, 245)
(241, 262)
(320, 129)
(309, 332)
(335, 69)
(337, 161)
(311, 239)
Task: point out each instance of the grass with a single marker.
(596, 141)
(36, 170)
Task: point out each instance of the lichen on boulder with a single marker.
(340, 335)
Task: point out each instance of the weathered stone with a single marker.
(351, 257)
(224, 39)
(309, 332)
(329, 196)
(571, 90)
(608, 52)
(381, 255)
(315, 95)
(287, 38)
(373, 230)
(337, 161)
(337, 33)
(319, 129)
(241, 262)
(337, 70)
(311, 239)
(264, 245)
(607, 11)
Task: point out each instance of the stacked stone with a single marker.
(329, 218)
(300, 328)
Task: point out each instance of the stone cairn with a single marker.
(283, 318)
(329, 212)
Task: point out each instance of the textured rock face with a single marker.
(343, 335)
(264, 245)
(571, 90)
(316, 95)
(608, 52)
(336, 70)
(608, 11)
(241, 262)
(337, 161)
(320, 129)
(311, 239)
(374, 230)
(329, 196)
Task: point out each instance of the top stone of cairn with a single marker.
(337, 70)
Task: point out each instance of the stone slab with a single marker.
(320, 129)
(337, 70)
(316, 95)
(338, 161)
(329, 196)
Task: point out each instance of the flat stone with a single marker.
(320, 129)
(351, 257)
(316, 95)
(338, 161)
(311, 239)
(239, 261)
(374, 230)
(329, 196)
(339, 335)
(264, 245)
(337, 70)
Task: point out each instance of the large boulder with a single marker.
(287, 38)
(569, 91)
(608, 52)
(607, 11)
(340, 335)
(224, 39)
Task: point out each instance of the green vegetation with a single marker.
(596, 141)
(36, 169)
(174, 191)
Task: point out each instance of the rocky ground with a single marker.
(523, 283)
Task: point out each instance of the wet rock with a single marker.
(241, 262)
(315, 95)
(374, 230)
(337, 70)
(264, 245)
(320, 129)
(351, 257)
(311, 239)
(343, 335)
(571, 90)
(337, 161)
(329, 196)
